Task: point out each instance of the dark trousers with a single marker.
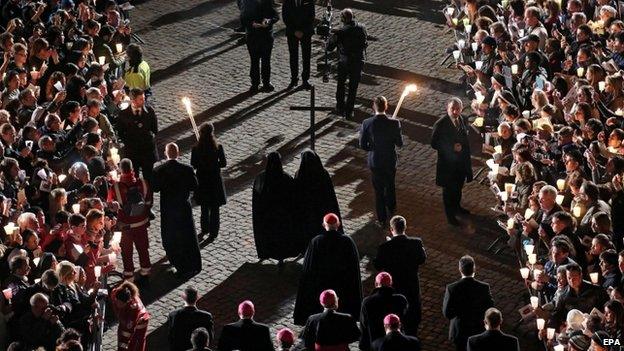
(451, 196)
(210, 220)
(144, 167)
(352, 71)
(306, 51)
(260, 55)
(461, 344)
(385, 194)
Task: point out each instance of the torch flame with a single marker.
(187, 104)
(410, 88)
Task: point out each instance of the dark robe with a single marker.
(208, 163)
(175, 181)
(331, 262)
(315, 196)
(273, 214)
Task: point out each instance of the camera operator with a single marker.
(351, 43)
(298, 15)
(41, 325)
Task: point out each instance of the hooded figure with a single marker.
(315, 197)
(272, 204)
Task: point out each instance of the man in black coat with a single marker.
(298, 15)
(138, 126)
(182, 322)
(375, 307)
(401, 256)
(175, 181)
(246, 334)
(331, 262)
(380, 136)
(493, 339)
(464, 302)
(329, 330)
(450, 139)
(394, 340)
(258, 18)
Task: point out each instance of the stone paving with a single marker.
(193, 52)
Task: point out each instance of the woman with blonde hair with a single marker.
(57, 202)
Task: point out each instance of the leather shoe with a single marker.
(253, 89)
(267, 88)
(293, 83)
(463, 211)
(306, 85)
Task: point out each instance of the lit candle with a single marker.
(116, 238)
(468, 28)
(580, 72)
(115, 159)
(528, 213)
(478, 64)
(559, 347)
(112, 258)
(449, 11)
(456, 54)
(498, 149)
(36, 261)
(474, 46)
(594, 277)
(540, 323)
(532, 258)
(480, 97)
(119, 47)
(466, 21)
(113, 151)
(536, 274)
(187, 105)
(561, 184)
(8, 293)
(524, 272)
(514, 69)
(534, 301)
(601, 86)
(526, 113)
(10, 228)
(113, 175)
(576, 211)
(528, 248)
(510, 223)
(510, 188)
(76, 208)
(478, 122)
(495, 168)
(455, 21)
(97, 270)
(411, 88)
(102, 60)
(61, 178)
(503, 197)
(550, 333)
(559, 199)
(461, 43)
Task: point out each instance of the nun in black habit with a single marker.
(315, 197)
(272, 207)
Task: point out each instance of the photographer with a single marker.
(41, 325)
(351, 43)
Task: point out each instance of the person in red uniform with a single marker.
(135, 202)
(133, 317)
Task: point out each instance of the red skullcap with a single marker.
(286, 335)
(328, 298)
(383, 279)
(331, 219)
(246, 309)
(392, 320)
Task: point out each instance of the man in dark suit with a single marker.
(375, 307)
(298, 15)
(200, 339)
(394, 340)
(329, 330)
(380, 136)
(258, 18)
(464, 302)
(138, 126)
(182, 322)
(246, 334)
(493, 339)
(401, 256)
(450, 139)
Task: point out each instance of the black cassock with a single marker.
(331, 262)
(315, 197)
(272, 204)
(175, 181)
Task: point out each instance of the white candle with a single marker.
(521, 33)
(8, 293)
(559, 199)
(76, 208)
(524, 272)
(510, 223)
(536, 274)
(526, 113)
(461, 43)
(61, 178)
(466, 21)
(534, 301)
(532, 258)
(115, 159)
(474, 46)
(576, 211)
(480, 97)
(102, 60)
(9, 228)
(561, 184)
(514, 69)
(601, 86)
(478, 122)
(559, 347)
(468, 28)
(456, 54)
(528, 248)
(455, 21)
(449, 11)
(503, 197)
(510, 188)
(97, 270)
(36, 261)
(540, 323)
(113, 175)
(498, 149)
(113, 151)
(580, 72)
(594, 277)
(112, 258)
(478, 64)
(550, 333)
(119, 47)
(495, 169)
(528, 213)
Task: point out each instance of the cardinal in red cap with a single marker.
(286, 339)
(331, 262)
(246, 334)
(394, 339)
(382, 301)
(330, 330)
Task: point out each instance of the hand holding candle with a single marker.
(411, 88)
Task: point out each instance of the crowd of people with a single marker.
(545, 81)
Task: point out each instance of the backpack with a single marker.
(135, 200)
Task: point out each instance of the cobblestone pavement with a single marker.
(193, 51)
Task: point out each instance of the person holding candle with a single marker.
(493, 338)
(450, 139)
(611, 275)
(207, 158)
(549, 281)
(380, 136)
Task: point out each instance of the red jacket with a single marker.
(133, 320)
(118, 192)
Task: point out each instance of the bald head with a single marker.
(346, 15)
(172, 151)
